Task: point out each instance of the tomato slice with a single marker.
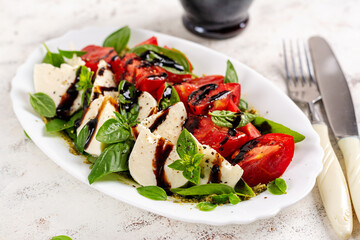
(150, 79)
(217, 79)
(265, 158)
(95, 53)
(152, 41)
(222, 139)
(215, 97)
(251, 131)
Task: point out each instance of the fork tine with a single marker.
(295, 75)
(300, 62)
(286, 61)
(309, 64)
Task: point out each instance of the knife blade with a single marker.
(340, 111)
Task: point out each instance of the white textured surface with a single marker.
(39, 200)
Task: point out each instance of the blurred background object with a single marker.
(217, 19)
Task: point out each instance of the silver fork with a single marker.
(302, 88)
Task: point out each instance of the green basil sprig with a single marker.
(242, 189)
(169, 97)
(70, 54)
(56, 125)
(118, 39)
(152, 192)
(206, 189)
(85, 83)
(54, 59)
(43, 104)
(206, 206)
(224, 198)
(113, 159)
(128, 102)
(230, 75)
(243, 105)
(227, 118)
(82, 137)
(112, 131)
(190, 159)
(170, 53)
(267, 126)
(277, 187)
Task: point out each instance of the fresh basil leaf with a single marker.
(220, 199)
(152, 192)
(61, 237)
(177, 165)
(56, 125)
(71, 132)
(246, 118)
(112, 131)
(206, 189)
(277, 187)
(54, 59)
(118, 39)
(186, 144)
(172, 54)
(228, 119)
(27, 135)
(169, 97)
(230, 75)
(233, 199)
(206, 206)
(196, 159)
(113, 159)
(82, 137)
(192, 174)
(128, 102)
(224, 118)
(175, 71)
(43, 104)
(91, 158)
(70, 54)
(267, 126)
(243, 105)
(242, 189)
(85, 84)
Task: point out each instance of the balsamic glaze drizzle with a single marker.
(159, 120)
(162, 152)
(161, 60)
(243, 150)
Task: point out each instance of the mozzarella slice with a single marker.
(75, 61)
(147, 104)
(150, 154)
(100, 110)
(167, 123)
(55, 81)
(104, 83)
(216, 169)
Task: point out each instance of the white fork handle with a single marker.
(333, 188)
(350, 147)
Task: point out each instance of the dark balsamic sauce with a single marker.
(162, 152)
(67, 100)
(101, 89)
(201, 93)
(131, 96)
(101, 71)
(106, 55)
(160, 60)
(243, 150)
(218, 96)
(264, 128)
(215, 174)
(92, 127)
(159, 120)
(192, 123)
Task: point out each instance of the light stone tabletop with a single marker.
(39, 200)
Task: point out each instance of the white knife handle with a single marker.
(333, 188)
(350, 147)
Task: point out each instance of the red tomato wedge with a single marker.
(95, 53)
(265, 158)
(152, 41)
(222, 139)
(217, 79)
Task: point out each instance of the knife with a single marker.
(340, 111)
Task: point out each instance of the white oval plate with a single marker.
(257, 90)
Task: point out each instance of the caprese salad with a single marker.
(141, 110)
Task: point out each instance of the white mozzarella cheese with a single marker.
(147, 104)
(104, 83)
(228, 174)
(102, 108)
(167, 123)
(144, 159)
(55, 81)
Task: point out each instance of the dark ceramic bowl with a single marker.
(217, 19)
